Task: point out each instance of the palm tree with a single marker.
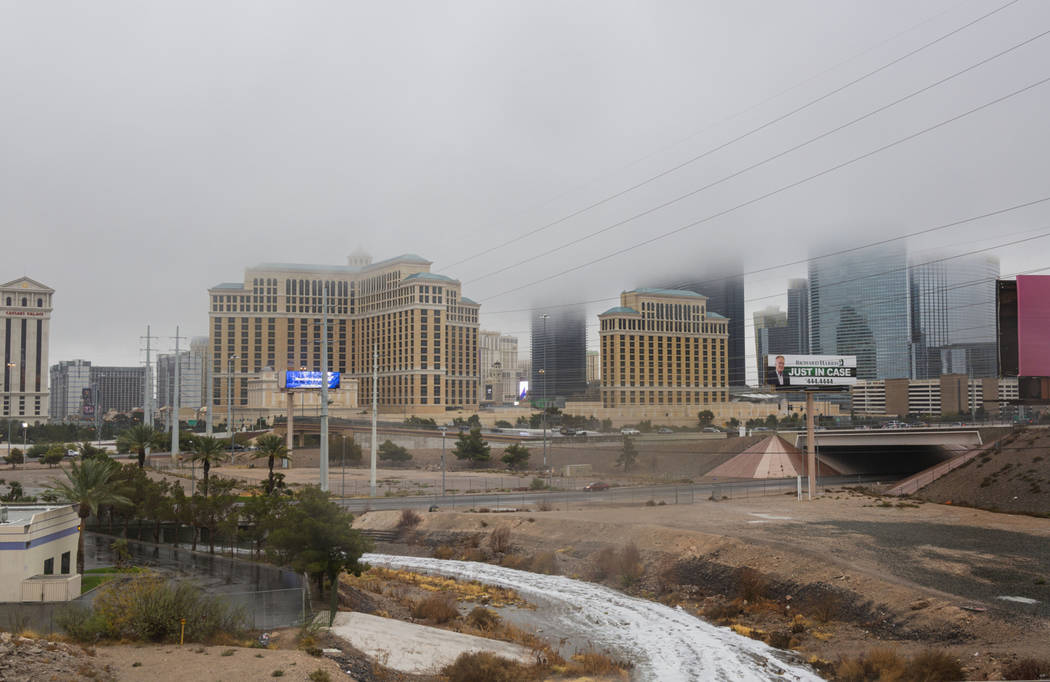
(272, 447)
(138, 438)
(207, 450)
(90, 484)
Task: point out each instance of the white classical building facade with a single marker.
(25, 331)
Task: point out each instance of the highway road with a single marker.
(670, 493)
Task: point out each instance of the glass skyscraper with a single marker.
(953, 315)
(559, 353)
(859, 305)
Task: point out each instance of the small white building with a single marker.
(38, 553)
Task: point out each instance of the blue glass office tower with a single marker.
(859, 305)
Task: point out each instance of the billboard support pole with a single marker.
(811, 444)
(375, 379)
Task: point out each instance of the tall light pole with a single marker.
(9, 367)
(324, 387)
(25, 434)
(546, 398)
(443, 429)
(229, 399)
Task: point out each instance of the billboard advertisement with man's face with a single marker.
(810, 372)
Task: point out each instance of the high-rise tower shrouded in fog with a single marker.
(559, 353)
(724, 289)
(858, 305)
(953, 315)
(798, 317)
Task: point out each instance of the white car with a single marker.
(629, 432)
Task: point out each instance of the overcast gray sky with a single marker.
(151, 150)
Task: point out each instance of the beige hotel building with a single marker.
(662, 347)
(426, 332)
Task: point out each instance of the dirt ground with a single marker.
(902, 574)
(172, 663)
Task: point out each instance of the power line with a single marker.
(830, 254)
(782, 188)
(761, 163)
(736, 139)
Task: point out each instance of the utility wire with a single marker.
(803, 261)
(734, 140)
(781, 189)
(761, 163)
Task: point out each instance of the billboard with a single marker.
(523, 389)
(810, 372)
(303, 380)
(1033, 325)
(87, 403)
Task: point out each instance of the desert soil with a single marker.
(172, 663)
(904, 571)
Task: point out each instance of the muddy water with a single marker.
(664, 643)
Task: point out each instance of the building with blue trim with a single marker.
(38, 553)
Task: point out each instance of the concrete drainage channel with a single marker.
(664, 643)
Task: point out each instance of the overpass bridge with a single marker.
(892, 451)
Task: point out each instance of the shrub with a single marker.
(544, 563)
(779, 639)
(750, 584)
(409, 520)
(595, 663)
(439, 608)
(538, 484)
(319, 675)
(1027, 669)
(934, 666)
(722, 611)
(650, 503)
(148, 609)
(483, 619)
(444, 552)
(604, 563)
(486, 667)
(631, 567)
(544, 506)
(499, 540)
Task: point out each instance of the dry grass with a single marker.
(436, 608)
(1027, 669)
(750, 584)
(485, 620)
(486, 667)
(409, 520)
(499, 540)
(544, 562)
(885, 665)
(603, 563)
(631, 566)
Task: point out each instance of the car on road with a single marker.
(712, 429)
(597, 485)
(664, 429)
(629, 432)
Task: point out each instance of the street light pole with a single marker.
(229, 399)
(25, 434)
(546, 398)
(443, 429)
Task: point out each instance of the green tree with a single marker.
(16, 457)
(88, 485)
(628, 455)
(393, 453)
(258, 513)
(340, 443)
(138, 438)
(503, 424)
(272, 447)
(733, 423)
(705, 417)
(207, 451)
(516, 456)
(37, 450)
(472, 447)
(89, 451)
(54, 455)
(314, 536)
